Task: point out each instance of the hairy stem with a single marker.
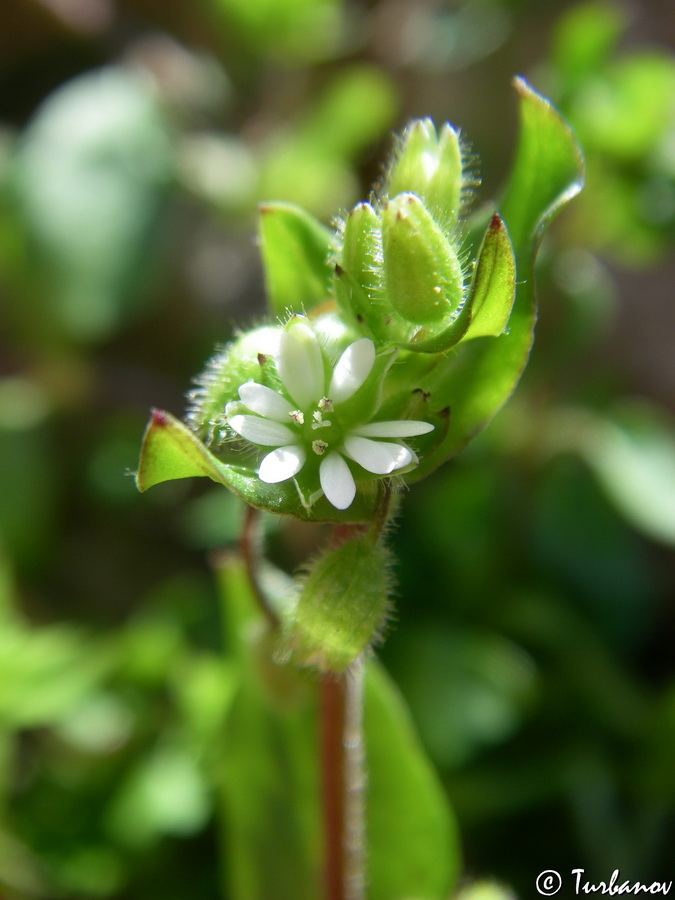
(332, 724)
(343, 783)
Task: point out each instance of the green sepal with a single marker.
(422, 272)
(494, 285)
(170, 451)
(343, 605)
(431, 167)
(358, 282)
(295, 249)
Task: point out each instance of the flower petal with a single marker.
(401, 428)
(282, 463)
(300, 365)
(378, 457)
(264, 401)
(351, 370)
(262, 431)
(337, 481)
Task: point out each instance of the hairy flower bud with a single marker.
(343, 605)
(422, 273)
(432, 167)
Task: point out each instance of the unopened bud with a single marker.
(422, 272)
(430, 166)
(343, 605)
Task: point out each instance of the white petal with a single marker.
(377, 457)
(337, 481)
(351, 370)
(401, 428)
(282, 463)
(264, 401)
(300, 365)
(262, 431)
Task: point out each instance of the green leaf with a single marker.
(634, 460)
(494, 285)
(170, 451)
(46, 673)
(90, 184)
(270, 785)
(583, 38)
(413, 842)
(547, 173)
(270, 778)
(295, 248)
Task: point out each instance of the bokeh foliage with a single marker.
(535, 626)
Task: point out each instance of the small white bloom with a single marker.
(279, 422)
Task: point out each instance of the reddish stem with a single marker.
(332, 755)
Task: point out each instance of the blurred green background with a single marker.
(536, 623)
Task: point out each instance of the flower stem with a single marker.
(343, 783)
(249, 547)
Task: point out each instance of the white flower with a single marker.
(311, 423)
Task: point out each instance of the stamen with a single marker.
(298, 416)
(326, 405)
(319, 447)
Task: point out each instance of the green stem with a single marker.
(249, 546)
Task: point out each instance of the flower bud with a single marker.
(358, 286)
(343, 605)
(249, 357)
(422, 272)
(431, 167)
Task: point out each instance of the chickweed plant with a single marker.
(393, 338)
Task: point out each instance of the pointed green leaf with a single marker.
(494, 285)
(295, 248)
(547, 173)
(170, 450)
(413, 842)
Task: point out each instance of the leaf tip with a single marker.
(496, 222)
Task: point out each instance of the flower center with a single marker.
(319, 428)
